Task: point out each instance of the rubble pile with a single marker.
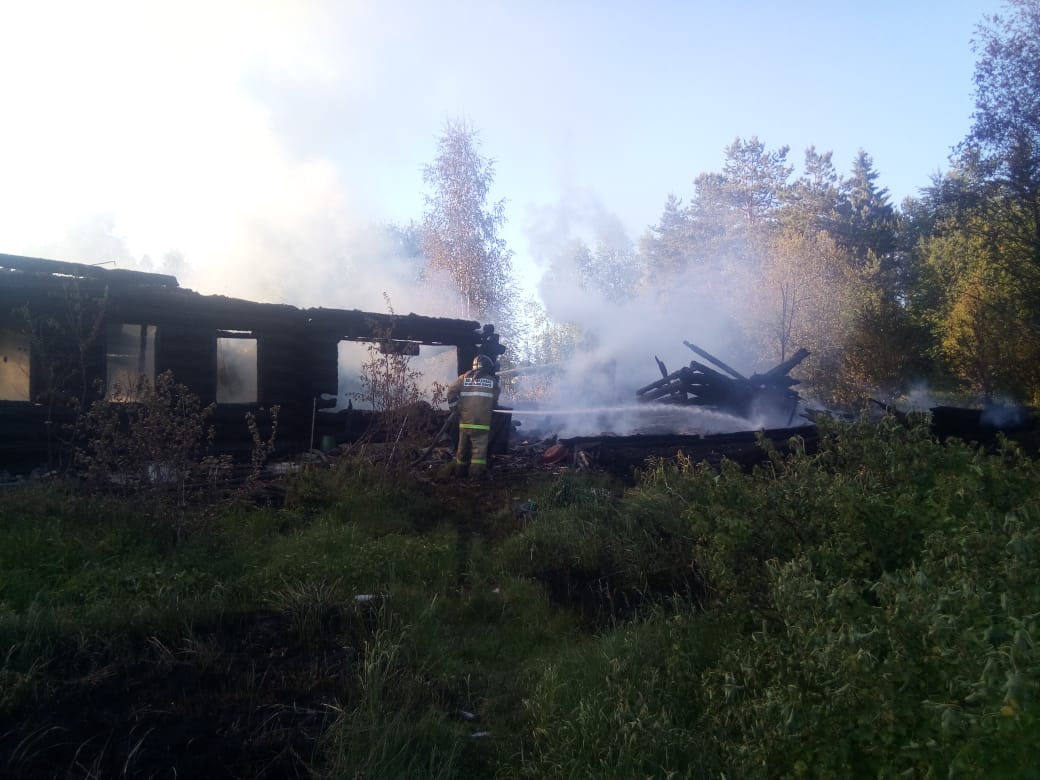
(725, 389)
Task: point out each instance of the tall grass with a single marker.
(870, 609)
(369, 585)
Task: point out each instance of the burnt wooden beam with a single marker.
(711, 374)
(670, 390)
(42, 267)
(661, 366)
(659, 383)
(790, 363)
(359, 325)
(712, 359)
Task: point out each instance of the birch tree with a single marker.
(460, 229)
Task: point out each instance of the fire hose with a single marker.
(444, 429)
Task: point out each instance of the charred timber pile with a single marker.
(987, 427)
(622, 455)
(725, 389)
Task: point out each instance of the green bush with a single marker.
(880, 600)
(936, 672)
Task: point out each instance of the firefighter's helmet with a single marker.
(484, 363)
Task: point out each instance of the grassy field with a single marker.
(868, 610)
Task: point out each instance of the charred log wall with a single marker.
(67, 308)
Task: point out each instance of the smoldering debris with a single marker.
(698, 399)
(770, 394)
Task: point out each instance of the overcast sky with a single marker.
(257, 137)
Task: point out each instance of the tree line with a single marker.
(942, 290)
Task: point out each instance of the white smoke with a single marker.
(307, 248)
(595, 391)
(200, 164)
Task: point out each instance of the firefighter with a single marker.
(474, 394)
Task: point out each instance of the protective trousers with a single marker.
(473, 447)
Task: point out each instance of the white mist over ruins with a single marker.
(316, 256)
(593, 390)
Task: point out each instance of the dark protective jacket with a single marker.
(476, 394)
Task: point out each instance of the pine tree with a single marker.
(755, 180)
(868, 221)
(666, 248)
(811, 203)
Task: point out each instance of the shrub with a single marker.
(153, 443)
(936, 673)
(392, 387)
(879, 605)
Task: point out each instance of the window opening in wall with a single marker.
(129, 359)
(14, 366)
(237, 368)
(436, 363)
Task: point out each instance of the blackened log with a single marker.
(659, 383)
(787, 365)
(712, 359)
(672, 388)
(661, 366)
(709, 373)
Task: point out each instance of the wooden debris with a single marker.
(725, 389)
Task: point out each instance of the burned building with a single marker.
(72, 333)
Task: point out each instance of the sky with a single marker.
(259, 140)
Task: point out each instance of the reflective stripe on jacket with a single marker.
(477, 394)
